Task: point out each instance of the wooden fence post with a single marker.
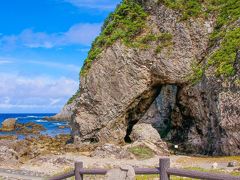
(78, 167)
(164, 164)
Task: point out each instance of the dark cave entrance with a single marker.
(138, 108)
(157, 106)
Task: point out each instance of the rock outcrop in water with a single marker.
(8, 124)
(179, 73)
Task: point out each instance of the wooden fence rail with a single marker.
(163, 170)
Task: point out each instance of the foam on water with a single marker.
(41, 120)
(32, 117)
(58, 124)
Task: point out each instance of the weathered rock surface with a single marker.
(124, 79)
(29, 128)
(158, 114)
(7, 154)
(64, 115)
(145, 132)
(8, 124)
(144, 135)
(123, 173)
(126, 85)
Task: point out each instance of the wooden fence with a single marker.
(163, 170)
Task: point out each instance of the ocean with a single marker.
(52, 127)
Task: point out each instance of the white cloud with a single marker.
(34, 93)
(5, 62)
(70, 67)
(80, 34)
(54, 101)
(95, 4)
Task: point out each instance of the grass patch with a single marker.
(198, 72)
(188, 8)
(237, 82)
(223, 59)
(165, 40)
(141, 152)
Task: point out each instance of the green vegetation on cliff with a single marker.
(226, 35)
(73, 97)
(128, 20)
(223, 59)
(188, 8)
(128, 24)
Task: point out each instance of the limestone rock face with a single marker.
(126, 86)
(8, 124)
(124, 81)
(213, 111)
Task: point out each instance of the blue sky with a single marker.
(43, 45)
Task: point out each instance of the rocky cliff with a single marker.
(173, 64)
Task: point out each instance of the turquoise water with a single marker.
(51, 126)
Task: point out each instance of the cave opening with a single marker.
(155, 106)
(138, 108)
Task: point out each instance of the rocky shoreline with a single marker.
(19, 151)
(30, 128)
(40, 156)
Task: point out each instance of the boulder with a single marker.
(145, 132)
(9, 124)
(146, 142)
